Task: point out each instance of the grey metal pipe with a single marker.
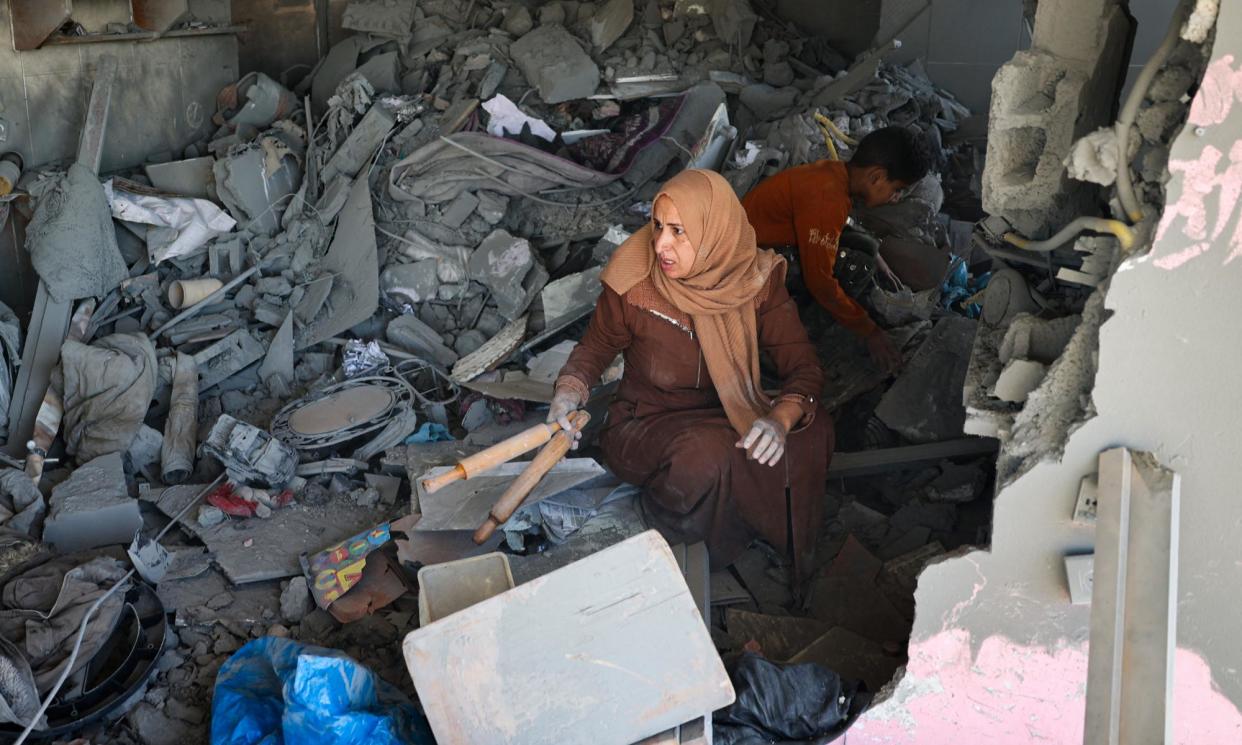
(181, 427)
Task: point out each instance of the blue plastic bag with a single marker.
(276, 691)
(430, 432)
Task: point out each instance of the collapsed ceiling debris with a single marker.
(363, 280)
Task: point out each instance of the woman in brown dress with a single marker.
(692, 303)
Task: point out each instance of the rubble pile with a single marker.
(272, 338)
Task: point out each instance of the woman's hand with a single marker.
(564, 403)
(765, 442)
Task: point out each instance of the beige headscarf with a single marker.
(729, 271)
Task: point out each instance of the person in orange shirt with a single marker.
(807, 206)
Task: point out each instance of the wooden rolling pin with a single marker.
(485, 460)
(520, 488)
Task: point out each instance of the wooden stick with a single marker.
(520, 488)
(501, 452)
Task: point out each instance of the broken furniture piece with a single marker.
(556, 659)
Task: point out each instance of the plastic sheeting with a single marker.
(274, 691)
(804, 703)
(190, 222)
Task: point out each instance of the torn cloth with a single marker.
(72, 241)
(42, 609)
(107, 388)
(194, 222)
(439, 171)
(22, 506)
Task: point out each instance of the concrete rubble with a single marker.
(380, 203)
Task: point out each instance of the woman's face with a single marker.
(674, 252)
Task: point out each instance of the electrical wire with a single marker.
(1123, 233)
(90, 612)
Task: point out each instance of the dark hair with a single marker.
(903, 153)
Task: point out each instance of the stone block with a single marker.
(610, 22)
(507, 266)
(416, 337)
(411, 283)
(925, 403)
(554, 63)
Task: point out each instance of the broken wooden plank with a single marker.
(608, 649)
(867, 462)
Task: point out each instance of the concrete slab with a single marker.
(92, 507)
(609, 649)
(554, 63)
(925, 403)
(254, 550)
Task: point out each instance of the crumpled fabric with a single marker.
(10, 355)
(192, 222)
(22, 506)
(42, 608)
(438, 171)
(107, 388)
(19, 697)
(72, 241)
(804, 703)
(274, 691)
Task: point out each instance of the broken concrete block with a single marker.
(626, 606)
(382, 17)
(1029, 337)
(295, 600)
(925, 403)
(361, 144)
(226, 358)
(555, 64)
(610, 22)
(492, 207)
(456, 212)
(411, 283)
(507, 266)
(1018, 379)
(517, 20)
(92, 507)
(416, 337)
(469, 342)
(768, 103)
(209, 516)
(733, 20)
(552, 12)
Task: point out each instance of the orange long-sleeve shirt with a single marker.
(807, 207)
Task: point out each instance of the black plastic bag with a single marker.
(804, 703)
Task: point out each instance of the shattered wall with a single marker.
(163, 100)
(998, 654)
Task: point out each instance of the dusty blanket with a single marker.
(107, 389)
